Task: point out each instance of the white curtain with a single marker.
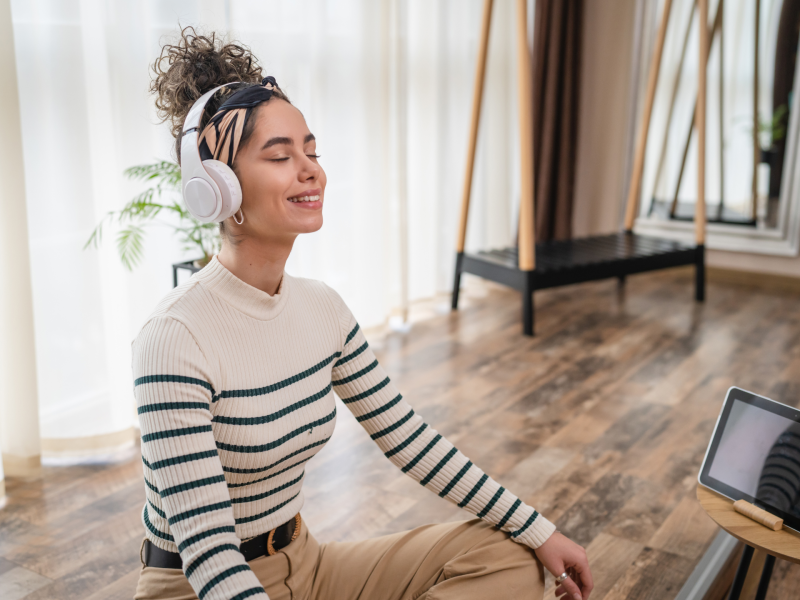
(86, 116)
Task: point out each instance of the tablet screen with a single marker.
(755, 455)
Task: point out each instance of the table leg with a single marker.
(741, 573)
(763, 583)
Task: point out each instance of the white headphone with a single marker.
(211, 190)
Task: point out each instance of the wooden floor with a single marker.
(600, 422)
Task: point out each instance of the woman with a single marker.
(234, 379)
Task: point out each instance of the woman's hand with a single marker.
(561, 555)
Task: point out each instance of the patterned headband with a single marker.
(220, 138)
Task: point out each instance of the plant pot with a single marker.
(768, 155)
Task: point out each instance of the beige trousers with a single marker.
(464, 560)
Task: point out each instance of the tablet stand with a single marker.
(783, 543)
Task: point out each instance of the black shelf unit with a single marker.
(578, 260)
(186, 266)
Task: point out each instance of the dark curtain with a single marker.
(556, 83)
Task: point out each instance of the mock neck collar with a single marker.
(243, 296)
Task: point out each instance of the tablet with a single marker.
(754, 455)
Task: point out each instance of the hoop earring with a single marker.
(234, 217)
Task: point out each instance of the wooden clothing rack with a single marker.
(531, 266)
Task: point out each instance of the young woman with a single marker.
(234, 376)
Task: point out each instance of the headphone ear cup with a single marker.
(229, 186)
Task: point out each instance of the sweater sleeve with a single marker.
(416, 448)
(173, 390)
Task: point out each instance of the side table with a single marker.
(784, 544)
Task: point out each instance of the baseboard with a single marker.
(765, 281)
(93, 444)
(21, 466)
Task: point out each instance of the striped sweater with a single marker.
(235, 394)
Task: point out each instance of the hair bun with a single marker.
(194, 65)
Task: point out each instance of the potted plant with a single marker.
(772, 130)
(143, 211)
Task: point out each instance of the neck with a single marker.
(258, 263)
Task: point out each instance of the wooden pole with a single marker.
(641, 141)
(527, 236)
(756, 144)
(700, 117)
(477, 98)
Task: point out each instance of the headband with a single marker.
(221, 136)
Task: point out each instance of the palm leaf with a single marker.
(129, 246)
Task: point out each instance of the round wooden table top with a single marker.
(783, 544)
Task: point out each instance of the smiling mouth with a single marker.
(304, 198)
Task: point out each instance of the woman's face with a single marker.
(283, 185)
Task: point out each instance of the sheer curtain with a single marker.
(86, 116)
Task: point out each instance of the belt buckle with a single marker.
(270, 538)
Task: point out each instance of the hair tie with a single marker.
(221, 136)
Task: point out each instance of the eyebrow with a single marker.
(276, 141)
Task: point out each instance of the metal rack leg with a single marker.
(457, 279)
(741, 573)
(763, 583)
(700, 274)
(528, 306)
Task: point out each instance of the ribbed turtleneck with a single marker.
(242, 296)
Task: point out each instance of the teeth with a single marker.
(304, 198)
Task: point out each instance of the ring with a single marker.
(562, 577)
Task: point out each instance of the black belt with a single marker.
(267, 543)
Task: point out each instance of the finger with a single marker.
(585, 577)
(572, 588)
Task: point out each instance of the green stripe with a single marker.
(267, 512)
(422, 453)
(510, 512)
(492, 502)
(366, 394)
(391, 428)
(248, 593)
(170, 406)
(201, 510)
(439, 466)
(172, 379)
(153, 530)
(473, 491)
(157, 510)
(206, 555)
(160, 435)
(455, 479)
(184, 458)
(268, 389)
(221, 577)
(190, 485)
(408, 440)
(297, 464)
(151, 486)
(275, 464)
(279, 441)
(357, 374)
(351, 335)
(268, 493)
(276, 415)
(528, 523)
(350, 357)
(381, 409)
(205, 534)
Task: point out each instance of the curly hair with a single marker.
(192, 66)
